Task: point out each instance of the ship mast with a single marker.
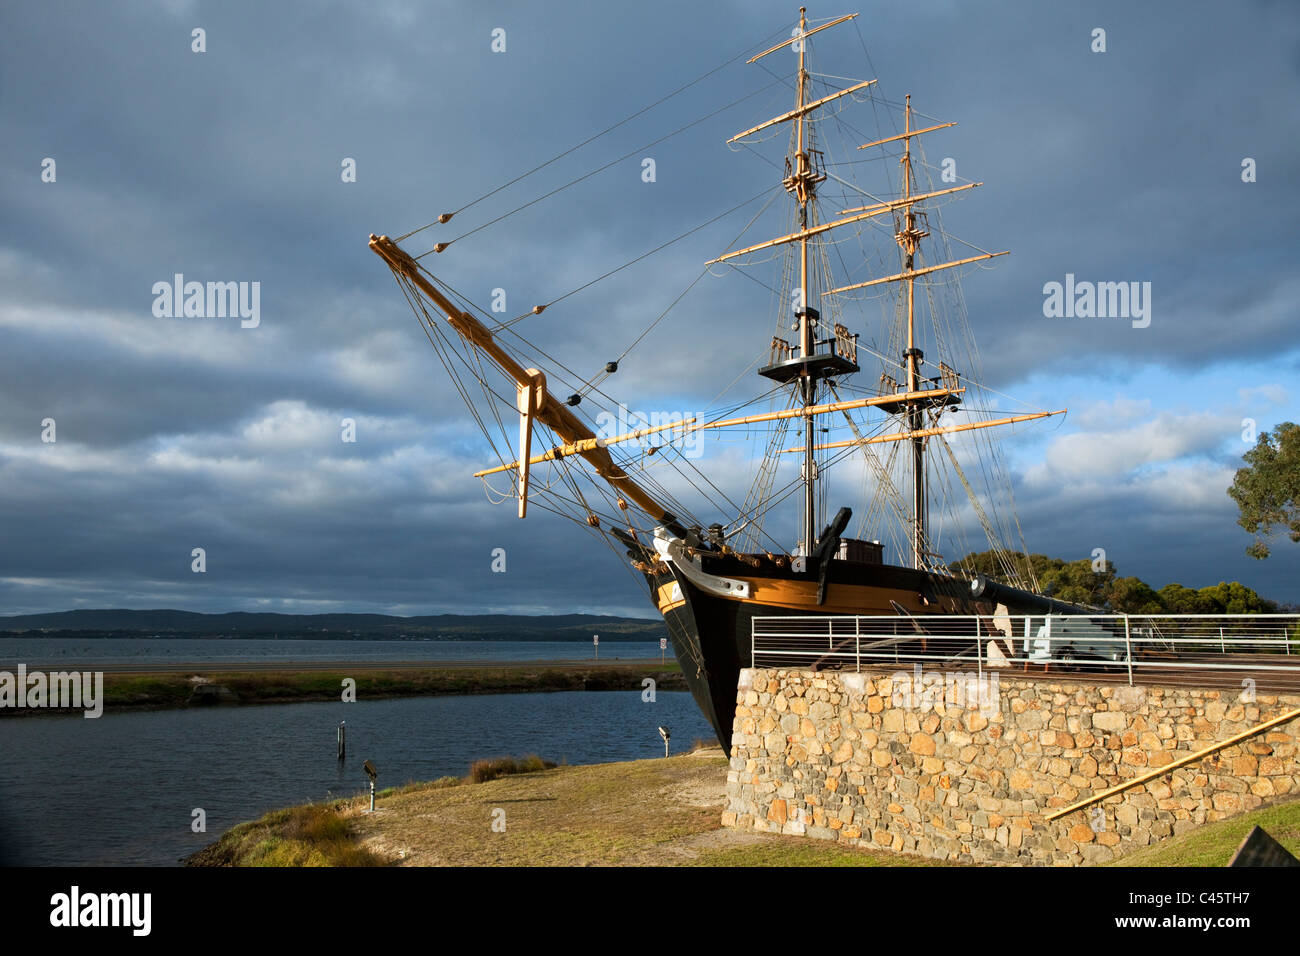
(804, 365)
(908, 238)
(803, 187)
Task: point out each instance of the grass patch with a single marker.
(314, 835)
(1214, 843)
(481, 771)
(176, 690)
(788, 851)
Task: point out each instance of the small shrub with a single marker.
(481, 771)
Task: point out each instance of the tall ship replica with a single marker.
(893, 417)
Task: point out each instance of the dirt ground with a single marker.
(663, 812)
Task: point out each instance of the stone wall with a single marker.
(916, 764)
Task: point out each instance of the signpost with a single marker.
(663, 650)
(595, 642)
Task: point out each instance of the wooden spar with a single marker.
(926, 432)
(800, 111)
(832, 407)
(908, 200)
(1161, 771)
(869, 212)
(528, 399)
(909, 135)
(688, 425)
(802, 35)
(573, 448)
(550, 412)
(914, 273)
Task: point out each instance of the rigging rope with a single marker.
(591, 139)
(442, 246)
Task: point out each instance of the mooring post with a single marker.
(343, 739)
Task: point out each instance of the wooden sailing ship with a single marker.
(710, 578)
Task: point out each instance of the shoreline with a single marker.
(648, 812)
(653, 812)
(226, 685)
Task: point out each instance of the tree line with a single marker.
(1080, 582)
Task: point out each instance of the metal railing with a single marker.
(1092, 643)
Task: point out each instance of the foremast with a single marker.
(803, 172)
(803, 185)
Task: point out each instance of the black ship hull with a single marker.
(712, 635)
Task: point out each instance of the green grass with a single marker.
(1214, 843)
(790, 851)
(175, 690)
(314, 835)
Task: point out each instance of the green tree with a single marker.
(1078, 583)
(1134, 596)
(1267, 490)
(989, 564)
(1236, 598)
(1180, 600)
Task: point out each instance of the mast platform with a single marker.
(941, 399)
(819, 365)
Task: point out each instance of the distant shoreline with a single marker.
(232, 685)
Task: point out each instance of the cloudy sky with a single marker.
(226, 165)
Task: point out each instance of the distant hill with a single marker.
(477, 627)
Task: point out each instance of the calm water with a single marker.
(40, 651)
(121, 789)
